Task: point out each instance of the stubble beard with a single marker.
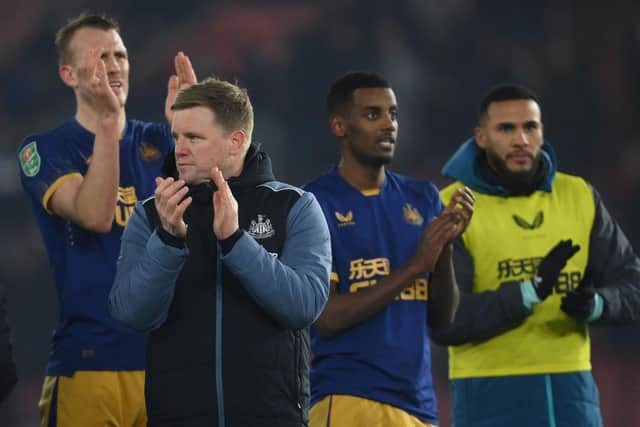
(520, 177)
(370, 161)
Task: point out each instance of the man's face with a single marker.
(511, 135)
(114, 57)
(371, 126)
(200, 144)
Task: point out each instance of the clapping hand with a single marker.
(92, 74)
(184, 77)
(461, 207)
(550, 267)
(225, 207)
(171, 204)
(580, 302)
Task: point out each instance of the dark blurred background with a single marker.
(583, 59)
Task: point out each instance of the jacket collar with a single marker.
(256, 170)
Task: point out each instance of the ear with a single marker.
(238, 140)
(337, 125)
(481, 138)
(67, 76)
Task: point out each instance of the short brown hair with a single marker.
(84, 20)
(229, 103)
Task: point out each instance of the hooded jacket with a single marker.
(540, 397)
(613, 265)
(228, 321)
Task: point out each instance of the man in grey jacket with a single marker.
(226, 268)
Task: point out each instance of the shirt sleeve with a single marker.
(46, 164)
(294, 286)
(146, 275)
(483, 315)
(614, 267)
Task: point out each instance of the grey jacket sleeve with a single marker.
(614, 268)
(484, 315)
(294, 285)
(146, 275)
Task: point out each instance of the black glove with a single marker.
(580, 302)
(551, 266)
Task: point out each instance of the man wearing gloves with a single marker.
(540, 262)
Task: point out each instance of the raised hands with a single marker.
(184, 77)
(171, 204)
(92, 76)
(461, 208)
(451, 223)
(225, 207)
(434, 238)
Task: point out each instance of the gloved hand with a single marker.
(550, 267)
(580, 302)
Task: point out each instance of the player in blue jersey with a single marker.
(392, 279)
(83, 179)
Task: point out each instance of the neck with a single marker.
(360, 176)
(233, 169)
